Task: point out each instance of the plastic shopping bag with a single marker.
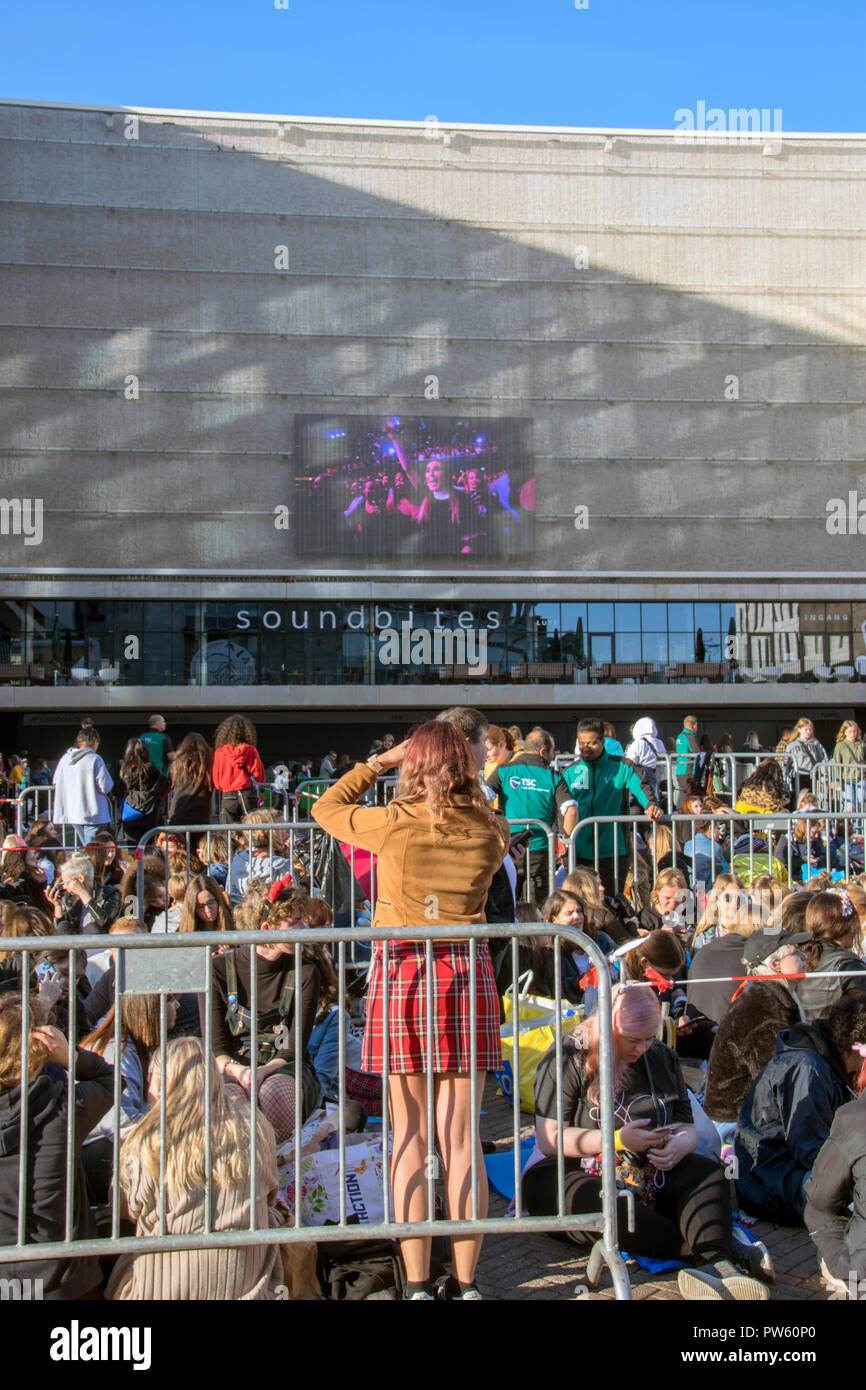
(535, 1033)
(320, 1183)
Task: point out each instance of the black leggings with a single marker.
(691, 1218)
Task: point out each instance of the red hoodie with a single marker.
(234, 766)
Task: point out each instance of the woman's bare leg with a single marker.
(408, 1104)
(457, 1129)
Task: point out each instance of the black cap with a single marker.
(766, 942)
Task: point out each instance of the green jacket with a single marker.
(601, 788)
(528, 787)
(687, 749)
(850, 753)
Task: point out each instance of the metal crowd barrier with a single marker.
(839, 787)
(25, 805)
(190, 970)
(770, 836)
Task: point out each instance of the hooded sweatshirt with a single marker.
(81, 786)
(235, 765)
(646, 747)
(785, 1119)
(46, 1151)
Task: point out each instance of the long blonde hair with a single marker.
(710, 914)
(185, 1128)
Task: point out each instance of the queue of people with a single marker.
(739, 1003)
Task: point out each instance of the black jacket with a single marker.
(103, 909)
(816, 996)
(46, 1164)
(838, 1180)
(785, 1119)
(720, 959)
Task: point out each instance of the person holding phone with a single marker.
(682, 1209)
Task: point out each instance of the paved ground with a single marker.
(543, 1267)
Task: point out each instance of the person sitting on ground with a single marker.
(835, 1213)
(272, 1030)
(139, 1041)
(764, 793)
(725, 901)
(100, 970)
(721, 958)
(80, 904)
(834, 927)
(248, 1272)
(16, 920)
(659, 960)
(587, 887)
(109, 862)
(154, 889)
(685, 1217)
(50, 854)
(669, 904)
(205, 906)
(564, 909)
(23, 879)
(169, 919)
(213, 851)
(48, 1096)
(746, 1037)
(265, 859)
(705, 853)
(789, 1109)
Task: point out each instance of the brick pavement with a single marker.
(545, 1267)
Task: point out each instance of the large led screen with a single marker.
(430, 487)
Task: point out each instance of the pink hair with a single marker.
(633, 1006)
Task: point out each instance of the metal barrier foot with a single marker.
(600, 1256)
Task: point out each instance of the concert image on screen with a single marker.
(432, 487)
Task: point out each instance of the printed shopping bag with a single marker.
(535, 1031)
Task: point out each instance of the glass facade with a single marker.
(238, 642)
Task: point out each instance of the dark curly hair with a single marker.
(235, 729)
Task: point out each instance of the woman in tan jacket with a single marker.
(438, 846)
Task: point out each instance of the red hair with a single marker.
(439, 766)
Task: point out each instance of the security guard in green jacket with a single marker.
(598, 783)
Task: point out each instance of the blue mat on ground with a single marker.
(662, 1266)
(500, 1168)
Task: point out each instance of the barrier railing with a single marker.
(839, 787)
(770, 836)
(158, 966)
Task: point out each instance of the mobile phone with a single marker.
(46, 971)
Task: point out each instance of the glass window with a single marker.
(600, 648)
(627, 617)
(654, 647)
(600, 617)
(654, 617)
(680, 617)
(681, 646)
(573, 630)
(628, 646)
(707, 617)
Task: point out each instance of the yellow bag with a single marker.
(536, 1034)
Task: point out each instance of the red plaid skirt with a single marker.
(449, 1005)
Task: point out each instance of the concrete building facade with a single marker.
(678, 324)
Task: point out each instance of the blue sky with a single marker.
(526, 62)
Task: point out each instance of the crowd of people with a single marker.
(736, 959)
